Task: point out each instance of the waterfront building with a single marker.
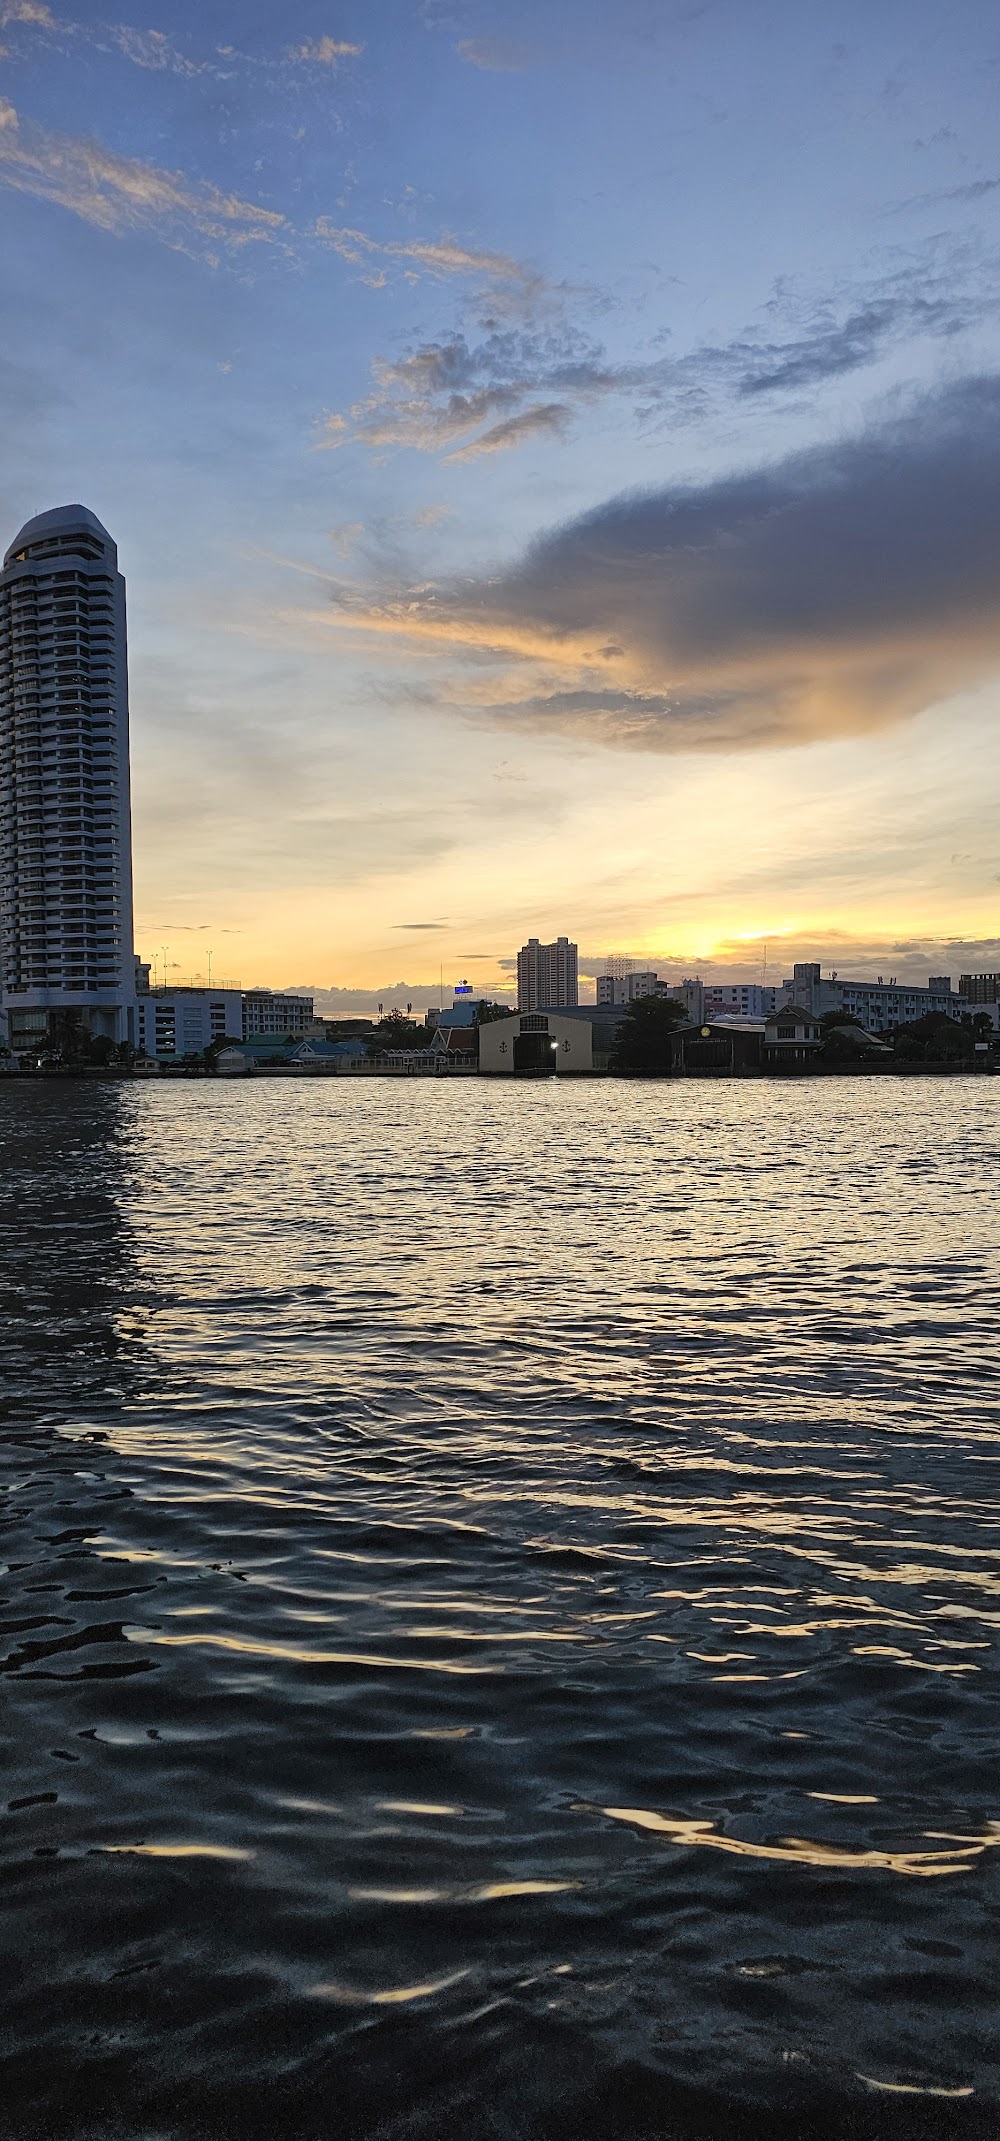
(879, 1006)
(726, 1045)
(175, 1022)
(267, 1013)
(538, 1041)
(547, 974)
(457, 1043)
(67, 969)
(331, 1053)
(791, 1035)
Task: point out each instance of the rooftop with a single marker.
(59, 521)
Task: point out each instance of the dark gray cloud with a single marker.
(829, 593)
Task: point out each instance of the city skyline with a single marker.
(363, 334)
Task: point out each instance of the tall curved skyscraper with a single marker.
(66, 959)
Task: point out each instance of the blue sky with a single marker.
(551, 452)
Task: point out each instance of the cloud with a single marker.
(445, 392)
(550, 418)
(438, 257)
(153, 50)
(438, 396)
(326, 51)
(494, 55)
(32, 11)
(120, 195)
(827, 594)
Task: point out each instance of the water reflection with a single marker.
(65, 1275)
(490, 1655)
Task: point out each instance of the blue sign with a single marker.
(463, 988)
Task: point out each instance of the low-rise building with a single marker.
(326, 1055)
(173, 1023)
(791, 1036)
(268, 1012)
(622, 989)
(880, 1006)
(626, 987)
(538, 1042)
(719, 1046)
(456, 1043)
(741, 999)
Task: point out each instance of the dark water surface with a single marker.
(499, 1610)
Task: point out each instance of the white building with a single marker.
(618, 987)
(264, 1012)
(172, 1023)
(535, 1041)
(879, 1005)
(547, 974)
(66, 957)
(741, 999)
(626, 988)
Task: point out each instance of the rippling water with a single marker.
(500, 1600)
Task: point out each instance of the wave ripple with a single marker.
(500, 1594)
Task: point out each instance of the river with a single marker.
(500, 1595)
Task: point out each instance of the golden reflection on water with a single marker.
(800, 1851)
(175, 1851)
(915, 2088)
(398, 1996)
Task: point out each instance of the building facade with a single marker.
(879, 1006)
(547, 974)
(538, 1043)
(67, 968)
(741, 999)
(979, 988)
(266, 1013)
(628, 988)
(174, 1023)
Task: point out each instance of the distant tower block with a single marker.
(546, 974)
(618, 966)
(66, 958)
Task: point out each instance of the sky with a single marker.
(554, 454)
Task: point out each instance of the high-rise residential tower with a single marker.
(66, 959)
(546, 974)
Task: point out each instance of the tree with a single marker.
(848, 1042)
(487, 1012)
(395, 1030)
(99, 1050)
(645, 1038)
(935, 1038)
(839, 1018)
